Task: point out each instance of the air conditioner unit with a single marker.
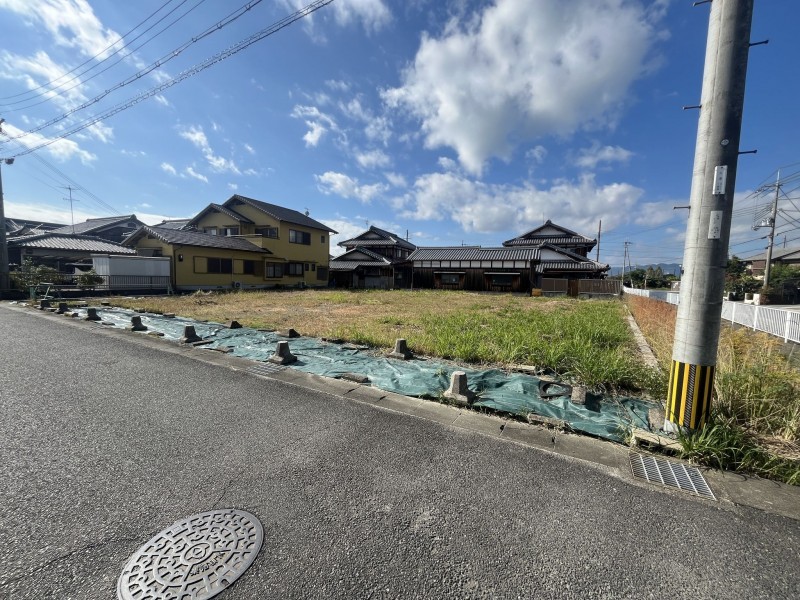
(237, 285)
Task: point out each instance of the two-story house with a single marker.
(242, 243)
(375, 258)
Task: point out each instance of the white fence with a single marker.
(775, 321)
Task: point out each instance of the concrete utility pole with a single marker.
(768, 264)
(4, 280)
(599, 231)
(694, 354)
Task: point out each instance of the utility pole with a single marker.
(71, 214)
(4, 278)
(771, 236)
(599, 231)
(625, 257)
(694, 354)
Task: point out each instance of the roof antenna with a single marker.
(307, 211)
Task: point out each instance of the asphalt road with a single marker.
(106, 441)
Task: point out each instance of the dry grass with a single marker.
(756, 410)
(588, 342)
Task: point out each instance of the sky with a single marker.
(447, 121)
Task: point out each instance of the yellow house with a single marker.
(200, 261)
(299, 246)
(243, 243)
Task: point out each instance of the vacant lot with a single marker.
(586, 341)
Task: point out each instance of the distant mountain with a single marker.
(666, 268)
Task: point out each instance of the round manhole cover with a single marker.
(194, 559)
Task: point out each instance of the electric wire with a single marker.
(52, 82)
(230, 18)
(220, 56)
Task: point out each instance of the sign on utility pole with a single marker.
(694, 354)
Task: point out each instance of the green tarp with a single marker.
(604, 416)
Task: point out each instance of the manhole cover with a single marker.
(194, 559)
(671, 474)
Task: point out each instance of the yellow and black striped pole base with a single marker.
(689, 394)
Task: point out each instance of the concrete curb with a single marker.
(732, 489)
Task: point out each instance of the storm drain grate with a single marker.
(194, 559)
(671, 474)
(265, 369)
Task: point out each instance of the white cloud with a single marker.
(197, 137)
(192, 173)
(347, 229)
(338, 85)
(396, 179)
(348, 187)
(512, 74)
(537, 154)
(249, 148)
(161, 100)
(448, 164)
(37, 211)
(372, 159)
(589, 158)
(38, 69)
(486, 208)
(374, 15)
(233, 187)
(72, 23)
(318, 123)
(168, 168)
(62, 150)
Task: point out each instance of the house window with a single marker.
(249, 267)
(313, 267)
(307, 267)
(299, 237)
(295, 269)
(322, 274)
(270, 232)
(273, 270)
(450, 278)
(228, 231)
(502, 279)
(322, 239)
(219, 265)
(210, 230)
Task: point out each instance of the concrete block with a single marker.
(189, 335)
(168, 315)
(44, 304)
(401, 350)
(92, 314)
(156, 333)
(288, 333)
(578, 395)
(233, 325)
(62, 308)
(458, 389)
(283, 355)
(136, 324)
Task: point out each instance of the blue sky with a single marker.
(457, 121)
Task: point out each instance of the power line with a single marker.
(230, 18)
(52, 82)
(220, 56)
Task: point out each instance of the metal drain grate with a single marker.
(265, 369)
(670, 474)
(194, 559)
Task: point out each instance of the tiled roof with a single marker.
(532, 238)
(280, 213)
(70, 243)
(195, 238)
(94, 224)
(388, 239)
(578, 240)
(345, 263)
(568, 265)
(173, 223)
(222, 209)
(474, 253)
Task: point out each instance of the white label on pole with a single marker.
(715, 225)
(720, 179)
